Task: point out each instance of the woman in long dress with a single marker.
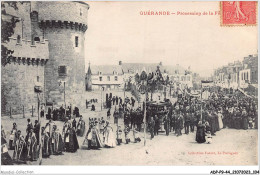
(220, 121)
(110, 140)
(200, 134)
(46, 145)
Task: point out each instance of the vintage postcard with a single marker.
(117, 83)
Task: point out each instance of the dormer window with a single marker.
(62, 71)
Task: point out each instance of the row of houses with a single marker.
(239, 74)
(115, 76)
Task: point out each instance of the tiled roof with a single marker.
(106, 69)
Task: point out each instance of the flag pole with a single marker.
(145, 118)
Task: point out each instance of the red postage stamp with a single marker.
(238, 13)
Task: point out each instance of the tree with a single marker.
(7, 30)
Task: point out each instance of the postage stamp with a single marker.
(238, 13)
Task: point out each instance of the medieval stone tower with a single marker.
(48, 51)
(64, 25)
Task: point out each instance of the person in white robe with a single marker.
(109, 135)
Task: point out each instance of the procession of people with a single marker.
(184, 116)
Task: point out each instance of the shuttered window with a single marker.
(62, 70)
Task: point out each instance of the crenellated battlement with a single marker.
(27, 53)
(63, 24)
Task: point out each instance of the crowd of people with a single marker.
(187, 114)
(28, 147)
(60, 113)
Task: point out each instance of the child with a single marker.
(250, 122)
(119, 135)
(127, 130)
(208, 137)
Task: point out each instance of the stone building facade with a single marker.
(48, 45)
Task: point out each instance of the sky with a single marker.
(117, 32)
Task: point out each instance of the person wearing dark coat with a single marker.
(71, 141)
(42, 113)
(244, 120)
(108, 113)
(187, 120)
(157, 125)
(116, 100)
(120, 101)
(29, 126)
(192, 122)
(200, 134)
(167, 125)
(179, 124)
(152, 127)
(74, 124)
(216, 120)
(48, 116)
(237, 120)
(93, 108)
(36, 130)
(212, 123)
(55, 114)
(113, 99)
(76, 111)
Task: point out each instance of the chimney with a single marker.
(120, 63)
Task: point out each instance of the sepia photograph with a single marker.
(117, 83)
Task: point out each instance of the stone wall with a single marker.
(62, 52)
(17, 87)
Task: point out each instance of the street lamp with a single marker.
(38, 90)
(102, 89)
